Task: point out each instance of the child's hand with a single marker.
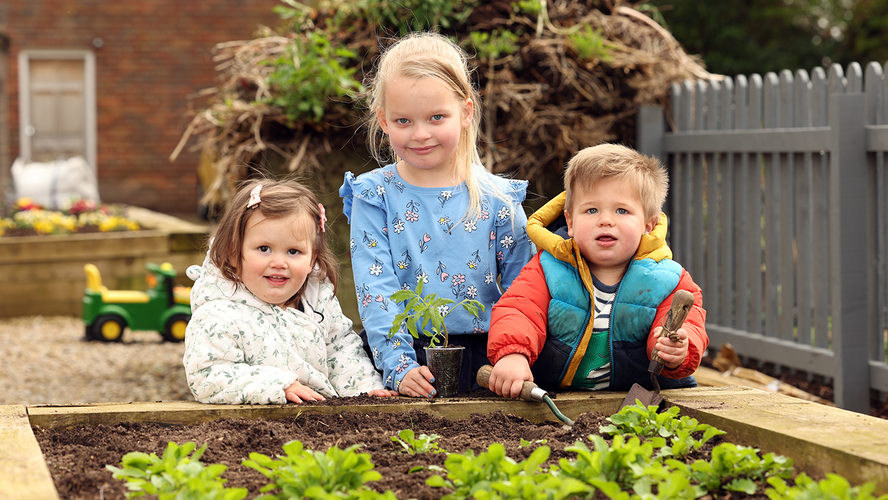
(382, 393)
(509, 374)
(298, 393)
(418, 383)
(672, 353)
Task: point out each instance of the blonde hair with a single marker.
(430, 55)
(645, 173)
(279, 199)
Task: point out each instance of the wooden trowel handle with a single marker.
(682, 302)
(483, 377)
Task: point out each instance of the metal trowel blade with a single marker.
(646, 397)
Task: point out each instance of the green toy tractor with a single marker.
(164, 307)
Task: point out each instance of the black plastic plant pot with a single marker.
(445, 364)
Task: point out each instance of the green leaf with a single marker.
(437, 482)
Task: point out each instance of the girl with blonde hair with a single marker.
(432, 212)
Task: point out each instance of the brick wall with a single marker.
(153, 54)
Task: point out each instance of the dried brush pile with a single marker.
(562, 78)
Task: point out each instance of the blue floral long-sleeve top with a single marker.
(401, 233)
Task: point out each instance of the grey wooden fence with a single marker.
(777, 207)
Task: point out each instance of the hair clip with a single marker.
(323, 218)
(254, 197)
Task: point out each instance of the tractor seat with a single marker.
(124, 296)
(94, 282)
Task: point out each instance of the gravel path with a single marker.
(44, 360)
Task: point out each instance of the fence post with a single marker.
(649, 130)
(848, 252)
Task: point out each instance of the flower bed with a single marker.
(42, 273)
(26, 218)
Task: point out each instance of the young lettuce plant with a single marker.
(302, 473)
(834, 487)
(419, 311)
(412, 444)
(176, 475)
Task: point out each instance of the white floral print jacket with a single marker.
(241, 350)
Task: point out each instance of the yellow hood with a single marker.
(653, 245)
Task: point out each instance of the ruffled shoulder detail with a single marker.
(516, 189)
(365, 186)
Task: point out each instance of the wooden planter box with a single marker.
(43, 275)
(818, 438)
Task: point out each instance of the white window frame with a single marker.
(89, 96)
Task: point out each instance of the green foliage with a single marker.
(630, 463)
(422, 444)
(674, 436)
(405, 16)
(493, 45)
(420, 311)
(311, 74)
(735, 468)
(473, 476)
(756, 36)
(620, 465)
(834, 487)
(533, 7)
(176, 475)
(589, 44)
(303, 473)
(297, 14)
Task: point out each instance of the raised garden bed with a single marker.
(43, 275)
(818, 438)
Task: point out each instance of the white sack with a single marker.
(51, 184)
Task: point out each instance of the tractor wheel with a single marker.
(174, 330)
(89, 333)
(109, 328)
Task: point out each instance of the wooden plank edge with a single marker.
(23, 470)
(189, 413)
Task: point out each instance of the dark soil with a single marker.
(77, 456)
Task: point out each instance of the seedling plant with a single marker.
(420, 311)
(422, 444)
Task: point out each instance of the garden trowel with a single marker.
(678, 311)
(529, 392)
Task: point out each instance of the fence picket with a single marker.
(786, 162)
(756, 205)
(727, 223)
(804, 208)
(742, 222)
(772, 211)
(698, 257)
(711, 172)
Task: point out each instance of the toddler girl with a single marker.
(266, 325)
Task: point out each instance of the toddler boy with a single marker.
(587, 310)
